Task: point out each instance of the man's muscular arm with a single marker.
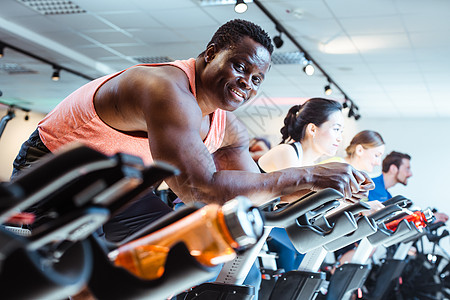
(173, 123)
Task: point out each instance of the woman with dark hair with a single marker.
(310, 131)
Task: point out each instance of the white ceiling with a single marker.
(391, 57)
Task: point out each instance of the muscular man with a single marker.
(396, 168)
(183, 111)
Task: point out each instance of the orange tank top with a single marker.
(75, 119)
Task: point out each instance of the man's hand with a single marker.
(353, 184)
(440, 217)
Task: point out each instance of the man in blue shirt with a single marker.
(396, 168)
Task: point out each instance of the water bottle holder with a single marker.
(413, 233)
(110, 282)
(366, 227)
(307, 238)
(384, 236)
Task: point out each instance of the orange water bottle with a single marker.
(211, 234)
(419, 218)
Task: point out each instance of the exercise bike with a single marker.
(426, 274)
(77, 191)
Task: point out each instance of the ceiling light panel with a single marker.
(152, 59)
(53, 7)
(287, 58)
(13, 69)
(220, 2)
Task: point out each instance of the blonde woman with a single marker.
(364, 151)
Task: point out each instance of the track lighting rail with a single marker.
(281, 29)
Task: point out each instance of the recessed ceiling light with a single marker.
(53, 7)
(12, 69)
(220, 2)
(287, 58)
(152, 59)
(309, 68)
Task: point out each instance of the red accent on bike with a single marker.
(22, 218)
(417, 217)
(266, 276)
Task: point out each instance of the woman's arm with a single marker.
(280, 157)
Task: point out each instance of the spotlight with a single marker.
(55, 75)
(328, 90)
(345, 104)
(308, 68)
(278, 41)
(240, 7)
(351, 113)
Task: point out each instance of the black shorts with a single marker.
(143, 211)
(30, 152)
(140, 213)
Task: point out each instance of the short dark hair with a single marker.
(315, 110)
(232, 32)
(394, 158)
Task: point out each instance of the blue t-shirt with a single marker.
(379, 193)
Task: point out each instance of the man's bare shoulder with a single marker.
(128, 101)
(155, 76)
(162, 87)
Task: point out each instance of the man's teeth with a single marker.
(238, 93)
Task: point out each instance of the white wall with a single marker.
(428, 143)
(16, 132)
